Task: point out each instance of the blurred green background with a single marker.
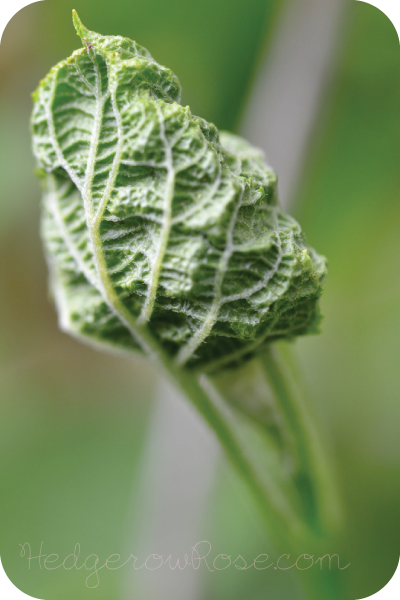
(74, 422)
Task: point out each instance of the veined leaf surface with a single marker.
(156, 226)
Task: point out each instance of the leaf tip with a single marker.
(80, 28)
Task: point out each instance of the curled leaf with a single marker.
(159, 231)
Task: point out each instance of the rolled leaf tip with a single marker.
(80, 28)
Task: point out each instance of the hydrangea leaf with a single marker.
(160, 231)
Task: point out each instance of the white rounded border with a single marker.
(8, 590)
(390, 8)
(391, 591)
(8, 9)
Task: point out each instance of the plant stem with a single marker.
(287, 529)
(314, 479)
(281, 521)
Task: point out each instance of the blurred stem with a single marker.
(322, 586)
(282, 522)
(269, 28)
(299, 531)
(312, 528)
(313, 479)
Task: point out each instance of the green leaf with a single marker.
(160, 232)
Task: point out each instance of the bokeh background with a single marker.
(80, 432)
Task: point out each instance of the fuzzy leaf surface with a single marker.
(156, 226)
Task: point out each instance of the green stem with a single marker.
(281, 521)
(314, 480)
(322, 585)
(287, 530)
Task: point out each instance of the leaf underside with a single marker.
(153, 221)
